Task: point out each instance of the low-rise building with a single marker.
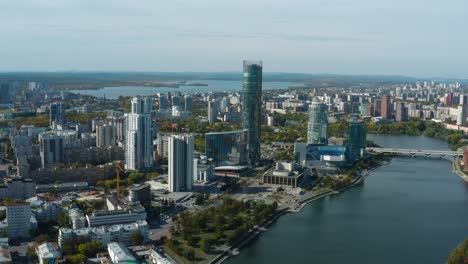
(106, 234)
(285, 173)
(119, 253)
(48, 254)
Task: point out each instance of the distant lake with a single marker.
(213, 86)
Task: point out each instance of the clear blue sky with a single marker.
(425, 38)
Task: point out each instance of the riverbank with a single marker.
(252, 235)
(456, 167)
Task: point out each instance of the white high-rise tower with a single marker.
(139, 146)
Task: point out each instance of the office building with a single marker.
(212, 112)
(357, 140)
(386, 107)
(188, 101)
(227, 148)
(113, 217)
(48, 254)
(51, 149)
(105, 135)
(5, 93)
(175, 100)
(139, 144)
(377, 107)
(203, 169)
(18, 217)
(57, 113)
(251, 107)
(140, 193)
(317, 126)
(461, 115)
(401, 113)
(163, 102)
(180, 163)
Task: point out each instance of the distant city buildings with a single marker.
(251, 107)
(181, 161)
(386, 108)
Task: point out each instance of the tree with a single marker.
(205, 244)
(460, 254)
(2, 215)
(190, 254)
(90, 249)
(78, 259)
(42, 238)
(31, 253)
(137, 238)
(68, 247)
(63, 219)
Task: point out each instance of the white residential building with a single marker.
(119, 253)
(47, 253)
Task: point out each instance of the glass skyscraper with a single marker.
(357, 140)
(227, 148)
(317, 126)
(251, 107)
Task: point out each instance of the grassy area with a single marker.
(199, 235)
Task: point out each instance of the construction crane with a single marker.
(119, 170)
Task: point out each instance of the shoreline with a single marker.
(460, 173)
(255, 233)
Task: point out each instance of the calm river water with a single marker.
(409, 211)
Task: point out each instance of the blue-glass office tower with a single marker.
(357, 140)
(251, 107)
(227, 148)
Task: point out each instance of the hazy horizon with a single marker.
(422, 39)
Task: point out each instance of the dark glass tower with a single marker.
(251, 107)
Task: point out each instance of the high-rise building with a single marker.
(401, 113)
(227, 148)
(18, 217)
(251, 107)
(57, 113)
(180, 163)
(5, 93)
(386, 107)
(105, 135)
(175, 100)
(357, 140)
(139, 144)
(51, 149)
(461, 115)
(188, 101)
(212, 112)
(377, 107)
(163, 102)
(317, 126)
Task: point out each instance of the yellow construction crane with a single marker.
(118, 169)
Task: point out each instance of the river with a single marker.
(213, 86)
(413, 210)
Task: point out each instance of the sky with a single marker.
(421, 38)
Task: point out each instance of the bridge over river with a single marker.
(416, 152)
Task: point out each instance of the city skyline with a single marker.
(418, 39)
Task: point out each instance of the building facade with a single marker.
(357, 140)
(227, 148)
(317, 126)
(251, 107)
(180, 159)
(57, 113)
(19, 220)
(139, 144)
